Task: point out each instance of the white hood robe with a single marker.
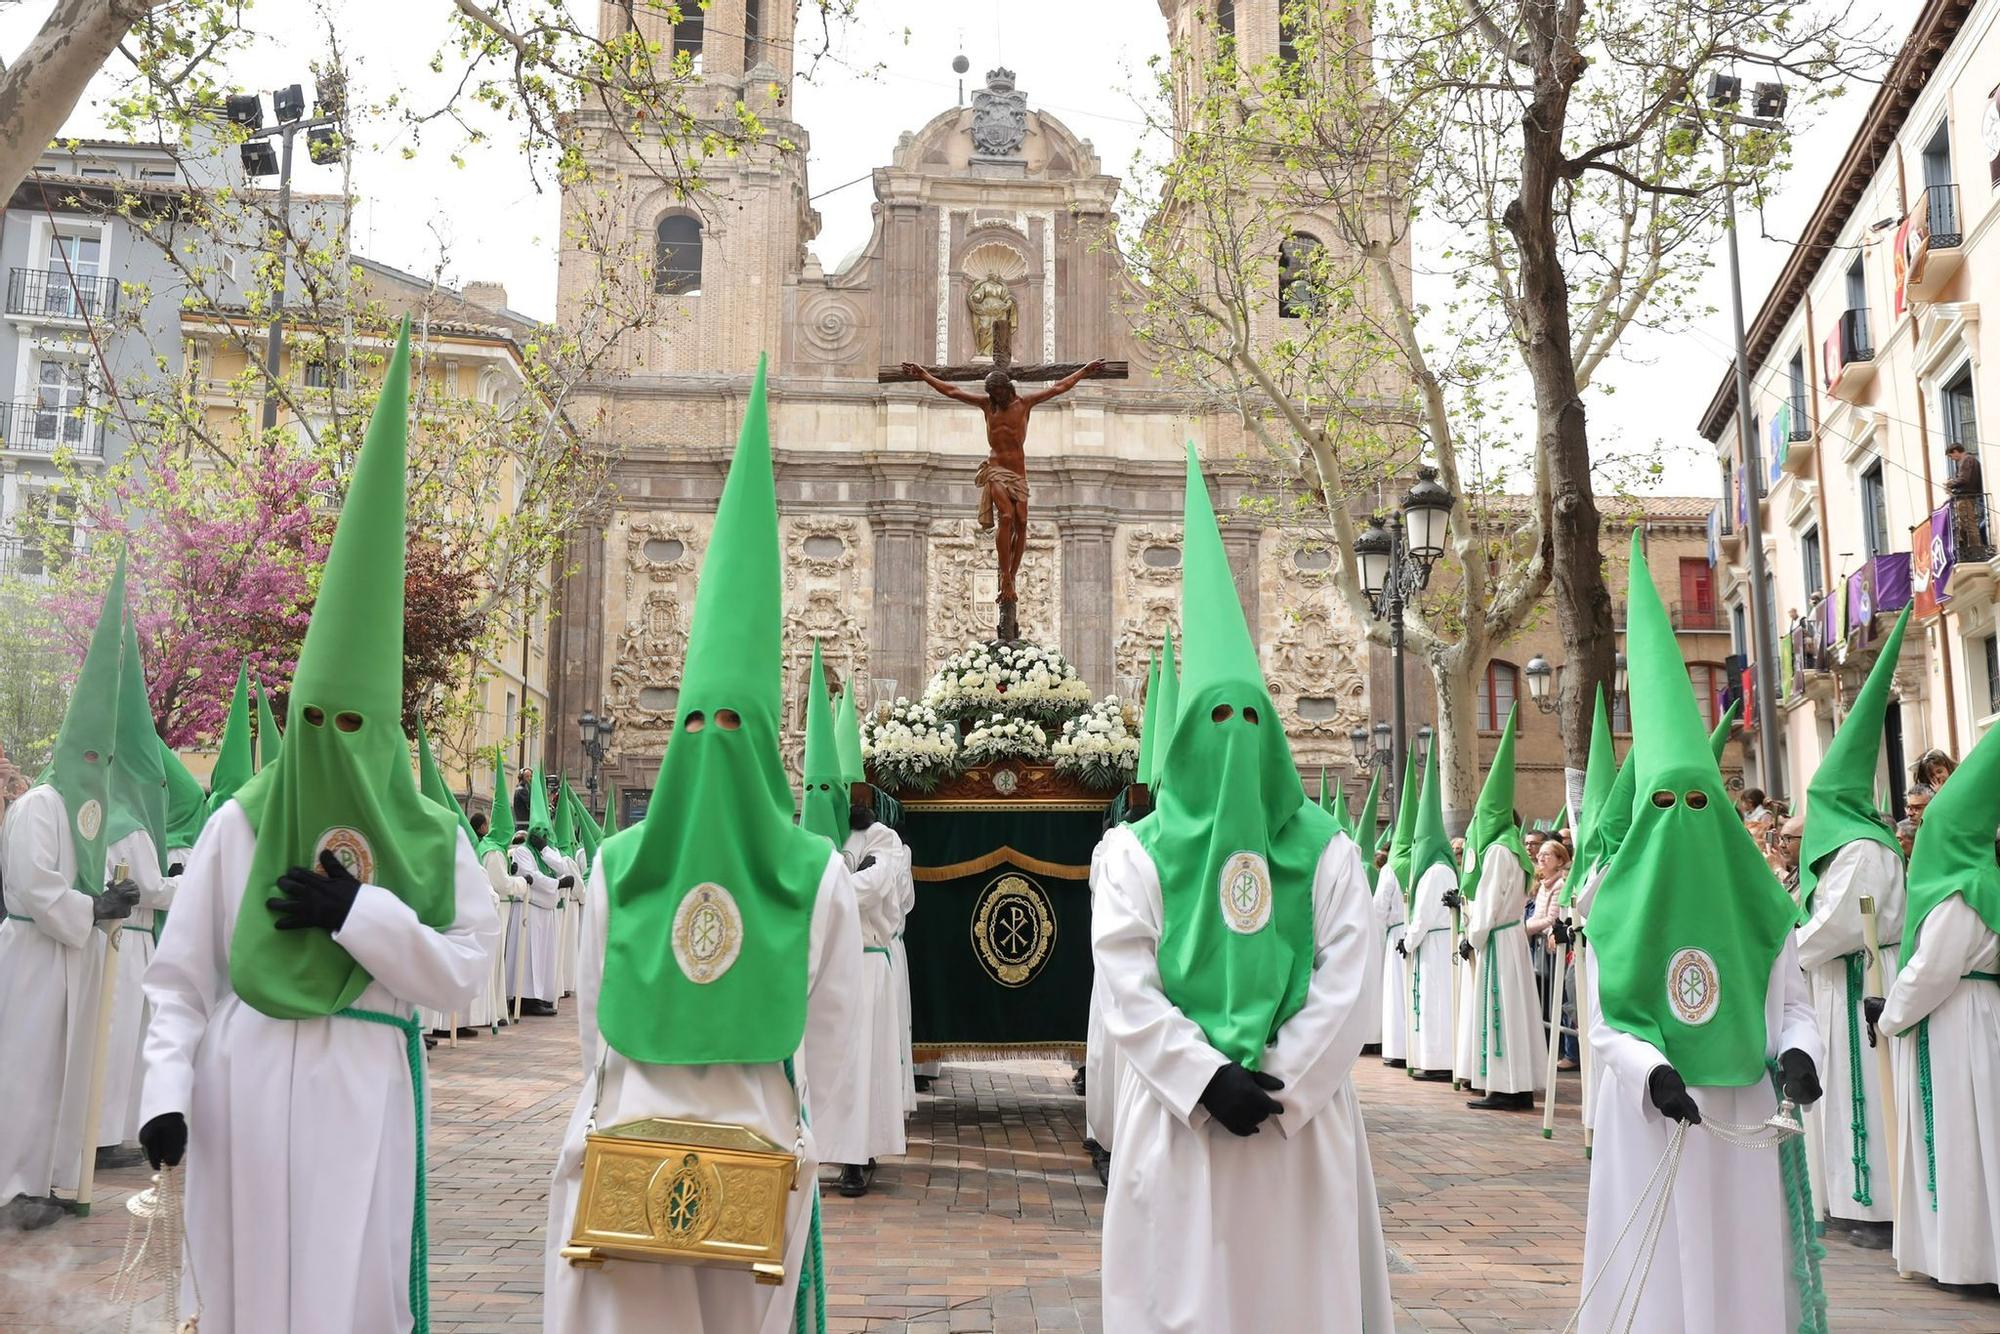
(1431, 968)
(1205, 1231)
(1723, 1260)
(1102, 1069)
(1826, 941)
(1392, 1024)
(302, 1135)
(1958, 1241)
(1508, 1047)
(865, 1120)
(124, 1048)
(693, 1299)
(539, 925)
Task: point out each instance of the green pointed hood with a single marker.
(500, 823)
(823, 809)
(711, 895)
(1342, 814)
(1149, 722)
(1325, 793)
(1170, 704)
(847, 732)
(1233, 838)
(1600, 774)
(1430, 845)
(1718, 740)
(138, 774)
(342, 781)
(1840, 800)
(1493, 817)
(541, 823)
(1403, 831)
(1954, 848)
(589, 834)
(233, 765)
(1692, 919)
(611, 816)
(187, 804)
(269, 739)
(1366, 830)
(81, 768)
(562, 833)
(430, 782)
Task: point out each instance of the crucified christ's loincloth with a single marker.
(994, 476)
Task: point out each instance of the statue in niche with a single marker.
(989, 302)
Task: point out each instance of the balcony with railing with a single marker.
(26, 558)
(1808, 662)
(1848, 359)
(34, 428)
(54, 294)
(1960, 564)
(1928, 244)
(1696, 618)
(1801, 441)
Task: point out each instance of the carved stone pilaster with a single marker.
(1088, 617)
(902, 562)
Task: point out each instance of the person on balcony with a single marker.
(1967, 488)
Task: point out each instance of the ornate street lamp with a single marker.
(1619, 675)
(1539, 675)
(594, 732)
(1393, 557)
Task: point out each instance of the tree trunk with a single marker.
(1583, 606)
(1457, 735)
(40, 89)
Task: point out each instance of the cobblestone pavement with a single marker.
(991, 1221)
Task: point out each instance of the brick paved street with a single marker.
(991, 1222)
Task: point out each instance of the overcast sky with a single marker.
(1079, 61)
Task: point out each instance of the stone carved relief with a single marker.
(999, 116)
(964, 580)
(831, 327)
(1144, 563)
(1316, 658)
(661, 556)
(825, 583)
(660, 549)
(1144, 632)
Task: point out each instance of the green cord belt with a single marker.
(1924, 1088)
(1858, 1093)
(809, 1305)
(1800, 1218)
(420, 1250)
(882, 950)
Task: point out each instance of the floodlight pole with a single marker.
(274, 345)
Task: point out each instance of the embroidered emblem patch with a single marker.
(1013, 929)
(708, 933)
(1694, 987)
(682, 1201)
(1246, 893)
(89, 819)
(351, 848)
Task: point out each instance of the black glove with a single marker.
(1402, 949)
(1671, 1096)
(1871, 1008)
(1800, 1078)
(566, 882)
(1465, 950)
(175, 869)
(1560, 929)
(165, 1139)
(866, 862)
(1452, 899)
(1240, 1099)
(315, 898)
(116, 903)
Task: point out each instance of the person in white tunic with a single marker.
(1428, 939)
(1848, 853)
(880, 866)
(510, 894)
(1701, 1010)
(1944, 1013)
(1103, 1069)
(1235, 939)
(1508, 1048)
(59, 907)
(323, 905)
(721, 947)
(1392, 914)
(534, 860)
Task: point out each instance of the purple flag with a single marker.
(1944, 555)
(1891, 576)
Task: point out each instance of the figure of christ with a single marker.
(1003, 478)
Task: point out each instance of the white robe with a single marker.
(1392, 1025)
(568, 935)
(1431, 968)
(1206, 1232)
(1959, 1240)
(1723, 1260)
(1592, 1071)
(124, 1048)
(899, 968)
(1508, 1048)
(301, 1158)
(1102, 1068)
(866, 1122)
(507, 889)
(51, 965)
(540, 925)
(1832, 933)
(690, 1299)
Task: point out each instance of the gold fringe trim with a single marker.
(997, 1051)
(1001, 854)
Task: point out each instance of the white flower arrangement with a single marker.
(1015, 680)
(911, 749)
(1002, 737)
(1097, 748)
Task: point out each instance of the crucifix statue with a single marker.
(1003, 478)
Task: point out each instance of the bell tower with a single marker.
(709, 266)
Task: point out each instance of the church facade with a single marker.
(991, 211)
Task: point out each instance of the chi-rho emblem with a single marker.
(350, 848)
(708, 933)
(1013, 930)
(1694, 987)
(89, 820)
(1245, 890)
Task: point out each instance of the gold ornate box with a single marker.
(690, 1192)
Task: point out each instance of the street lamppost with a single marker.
(1540, 676)
(595, 733)
(1768, 101)
(324, 146)
(1395, 557)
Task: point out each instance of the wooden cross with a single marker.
(1003, 360)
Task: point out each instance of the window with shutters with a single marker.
(1497, 694)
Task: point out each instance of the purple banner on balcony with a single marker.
(1860, 601)
(1944, 555)
(1891, 576)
